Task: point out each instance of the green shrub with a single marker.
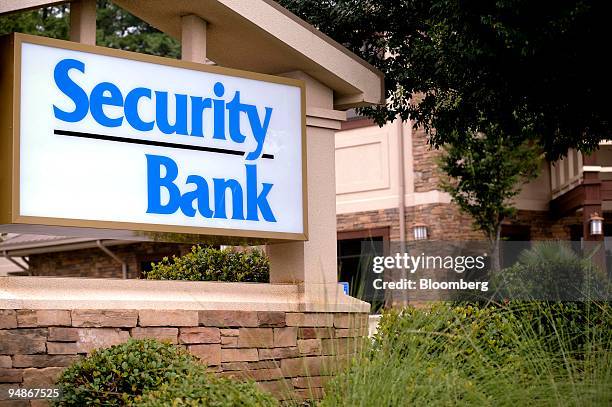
(477, 355)
(206, 391)
(209, 264)
(466, 329)
(114, 376)
(551, 271)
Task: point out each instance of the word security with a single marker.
(108, 94)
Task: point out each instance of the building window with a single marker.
(355, 252)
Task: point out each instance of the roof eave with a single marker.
(259, 36)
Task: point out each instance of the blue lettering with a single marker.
(131, 109)
(259, 130)
(221, 185)
(70, 89)
(198, 105)
(198, 199)
(161, 117)
(255, 201)
(155, 182)
(219, 112)
(202, 196)
(234, 109)
(105, 93)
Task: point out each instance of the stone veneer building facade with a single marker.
(380, 170)
(388, 182)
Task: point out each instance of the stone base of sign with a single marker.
(290, 353)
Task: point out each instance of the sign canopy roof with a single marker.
(259, 36)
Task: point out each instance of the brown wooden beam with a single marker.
(13, 6)
(606, 190)
(567, 203)
(364, 233)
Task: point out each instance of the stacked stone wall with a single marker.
(290, 354)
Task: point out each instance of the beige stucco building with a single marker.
(380, 170)
(388, 189)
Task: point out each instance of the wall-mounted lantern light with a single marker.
(596, 224)
(420, 231)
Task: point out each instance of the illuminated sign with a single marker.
(109, 139)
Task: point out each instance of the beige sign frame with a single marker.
(10, 106)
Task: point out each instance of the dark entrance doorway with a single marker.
(355, 252)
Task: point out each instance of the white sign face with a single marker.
(110, 139)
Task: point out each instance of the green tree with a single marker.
(484, 171)
(116, 28)
(492, 82)
(535, 69)
(47, 21)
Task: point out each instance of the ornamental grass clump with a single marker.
(210, 264)
(469, 354)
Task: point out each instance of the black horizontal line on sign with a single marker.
(152, 143)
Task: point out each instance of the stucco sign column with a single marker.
(312, 264)
(83, 21)
(193, 39)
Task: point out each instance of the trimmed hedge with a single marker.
(209, 264)
(206, 391)
(151, 373)
(115, 375)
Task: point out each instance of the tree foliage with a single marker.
(484, 173)
(515, 70)
(116, 28)
(535, 69)
(119, 29)
(47, 21)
